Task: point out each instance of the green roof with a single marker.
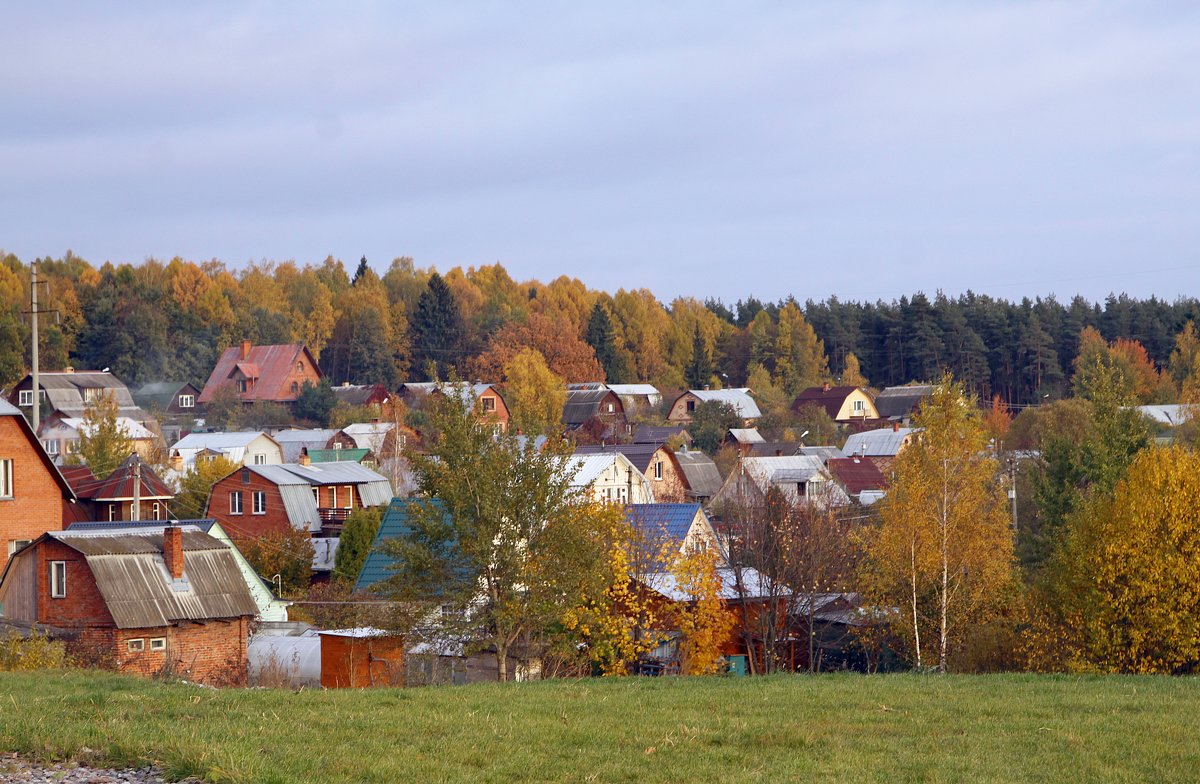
(337, 455)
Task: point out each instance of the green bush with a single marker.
(37, 652)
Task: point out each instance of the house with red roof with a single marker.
(859, 477)
(273, 374)
(132, 492)
(845, 405)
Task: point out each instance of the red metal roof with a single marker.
(269, 366)
(119, 485)
(856, 474)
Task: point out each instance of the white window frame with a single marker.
(658, 471)
(17, 544)
(187, 401)
(349, 496)
(58, 579)
(258, 502)
(25, 398)
(114, 512)
(259, 458)
(235, 502)
(6, 478)
(158, 643)
(157, 508)
(136, 645)
(860, 405)
(51, 446)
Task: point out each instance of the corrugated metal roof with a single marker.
(886, 442)
(376, 493)
(368, 435)
(583, 404)
(648, 390)
(138, 590)
(270, 365)
(655, 521)
(701, 473)
(897, 402)
(856, 474)
(301, 507)
(831, 399)
(378, 567)
(293, 441)
(746, 435)
(133, 429)
(656, 434)
(738, 398)
(797, 475)
(586, 469)
(219, 441)
(332, 473)
(640, 455)
(279, 474)
(823, 452)
(338, 455)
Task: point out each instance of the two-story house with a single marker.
(273, 374)
(32, 489)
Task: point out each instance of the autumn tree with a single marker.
(1122, 596)
(497, 533)
(711, 420)
(852, 373)
(191, 503)
(535, 396)
(799, 354)
(104, 442)
(564, 352)
(286, 556)
(943, 553)
(700, 614)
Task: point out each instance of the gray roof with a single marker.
(583, 404)
(295, 483)
(898, 402)
(132, 577)
(823, 452)
(700, 472)
(64, 391)
(746, 435)
(639, 454)
(292, 442)
(158, 393)
(738, 398)
(886, 442)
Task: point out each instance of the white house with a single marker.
(245, 447)
(610, 477)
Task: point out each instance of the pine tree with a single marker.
(437, 329)
(700, 369)
(363, 269)
(601, 336)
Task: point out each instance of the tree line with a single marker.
(169, 321)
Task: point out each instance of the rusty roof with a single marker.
(119, 484)
(138, 590)
(856, 474)
(269, 365)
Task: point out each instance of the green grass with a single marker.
(898, 728)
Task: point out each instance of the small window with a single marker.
(187, 401)
(260, 460)
(25, 398)
(299, 368)
(6, 478)
(235, 502)
(295, 388)
(242, 386)
(158, 643)
(611, 408)
(489, 404)
(258, 502)
(658, 470)
(17, 544)
(114, 512)
(58, 579)
(337, 444)
(349, 496)
(158, 510)
(859, 405)
(51, 446)
(691, 406)
(91, 393)
(136, 645)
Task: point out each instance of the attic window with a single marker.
(91, 393)
(658, 472)
(187, 401)
(691, 406)
(299, 367)
(489, 404)
(246, 476)
(25, 398)
(860, 405)
(611, 408)
(242, 385)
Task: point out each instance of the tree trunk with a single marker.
(502, 662)
(915, 621)
(945, 595)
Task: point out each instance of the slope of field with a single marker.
(865, 729)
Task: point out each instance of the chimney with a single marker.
(304, 458)
(345, 384)
(895, 427)
(825, 387)
(176, 461)
(173, 551)
(706, 387)
(246, 349)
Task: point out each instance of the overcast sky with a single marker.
(866, 150)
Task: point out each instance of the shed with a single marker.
(361, 658)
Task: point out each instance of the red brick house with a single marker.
(142, 603)
(113, 498)
(32, 489)
(260, 499)
(273, 374)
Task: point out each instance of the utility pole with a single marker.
(1012, 488)
(37, 390)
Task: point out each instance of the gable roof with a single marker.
(130, 427)
(831, 399)
(634, 390)
(660, 522)
(898, 402)
(651, 434)
(360, 394)
(583, 404)
(231, 444)
(856, 474)
(9, 410)
(641, 455)
(338, 455)
(746, 435)
(137, 589)
(585, 469)
(377, 566)
(119, 484)
(700, 472)
(368, 435)
(885, 442)
(160, 394)
(64, 391)
(269, 365)
(293, 441)
(739, 398)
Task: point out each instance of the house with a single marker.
(170, 398)
(843, 404)
(259, 499)
(294, 441)
(270, 609)
(700, 474)
(740, 399)
(801, 479)
(270, 374)
(132, 492)
(151, 603)
(61, 435)
(742, 439)
(600, 410)
(68, 393)
(859, 478)
(656, 461)
(486, 399)
(384, 440)
(823, 452)
(33, 491)
(661, 434)
(882, 445)
(610, 478)
(900, 404)
(637, 397)
(673, 528)
(772, 449)
(248, 447)
(362, 395)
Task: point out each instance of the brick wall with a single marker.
(248, 524)
(83, 605)
(36, 505)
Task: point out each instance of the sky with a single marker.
(864, 150)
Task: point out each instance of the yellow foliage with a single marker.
(703, 622)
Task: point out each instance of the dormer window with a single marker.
(91, 393)
(187, 401)
(243, 385)
(25, 398)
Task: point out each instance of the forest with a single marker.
(169, 321)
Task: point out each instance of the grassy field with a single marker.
(892, 729)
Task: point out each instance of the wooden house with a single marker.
(598, 411)
(609, 478)
(844, 405)
(68, 393)
(132, 492)
(740, 399)
(484, 399)
(656, 461)
(248, 447)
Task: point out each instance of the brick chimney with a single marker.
(176, 461)
(825, 387)
(895, 427)
(246, 349)
(173, 550)
(304, 458)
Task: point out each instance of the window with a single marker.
(25, 398)
(17, 544)
(860, 405)
(489, 404)
(260, 459)
(299, 367)
(6, 478)
(187, 401)
(295, 388)
(245, 476)
(691, 406)
(258, 502)
(337, 444)
(658, 470)
(114, 512)
(349, 496)
(51, 446)
(235, 502)
(136, 645)
(242, 385)
(158, 643)
(611, 408)
(58, 579)
(158, 510)
(91, 393)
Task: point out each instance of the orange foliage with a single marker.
(566, 354)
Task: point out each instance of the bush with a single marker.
(36, 652)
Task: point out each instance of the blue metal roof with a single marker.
(656, 520)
